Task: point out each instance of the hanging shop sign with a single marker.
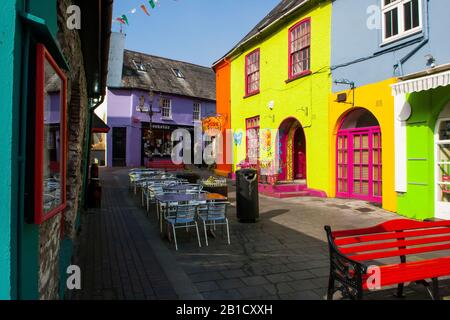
(213, 123)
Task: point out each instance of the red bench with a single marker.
(167, 165)
(352, 252)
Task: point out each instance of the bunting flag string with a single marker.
(124, 18)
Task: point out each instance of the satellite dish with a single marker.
(405, 112)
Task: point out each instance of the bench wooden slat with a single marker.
(391, 226)
(394, 244)
(412, 271)
(397, 253)
(391, 235)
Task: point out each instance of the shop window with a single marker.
(50, 138)
(252, 74)
(401, 18)
(300, 49)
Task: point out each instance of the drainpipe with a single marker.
(87, 149)
(419, 46)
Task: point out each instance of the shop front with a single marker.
(362, 144)
(156, 144)
(422, 107)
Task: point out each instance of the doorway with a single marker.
(442, 165)
(119, 152)
(359, 157)
(292, 151)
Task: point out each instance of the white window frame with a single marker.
(399, 4)
(166, 107)
(199, 106)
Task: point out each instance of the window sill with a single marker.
(167, 119)
(301, 75)
(400, 40)
(251, 94)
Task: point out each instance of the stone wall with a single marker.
(50, 231)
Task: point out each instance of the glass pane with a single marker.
(391, 23)
(411, 12)
(53, 150)
(357, 157)
(356, 172)
(444, 130)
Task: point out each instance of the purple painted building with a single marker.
(180, 94)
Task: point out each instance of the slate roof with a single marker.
(158, 74)
(281, 9)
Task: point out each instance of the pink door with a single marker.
(359, 167)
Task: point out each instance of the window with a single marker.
(197, 112)
(166, 108)
(139, 66)
(178, 73)
(400, 18)
(252, 125)
(300, 49)
(252, 73)
(50, 136)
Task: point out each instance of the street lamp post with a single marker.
(149, 136)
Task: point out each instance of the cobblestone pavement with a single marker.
(282, 256)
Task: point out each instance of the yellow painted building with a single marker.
(280, 79)
(377, 100)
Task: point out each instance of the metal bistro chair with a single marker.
(183, 217)
(216, 214)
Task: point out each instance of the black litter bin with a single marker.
(247, 195)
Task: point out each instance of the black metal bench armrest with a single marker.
(343, 268)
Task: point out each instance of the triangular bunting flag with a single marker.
(152, 4)
(121, 20)
(124, 18)
(144, 8)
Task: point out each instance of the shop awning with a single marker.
(99, 126)
(434, 81)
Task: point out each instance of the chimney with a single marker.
(116, 53)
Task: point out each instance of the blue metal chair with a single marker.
(183, 217)
(215, 214)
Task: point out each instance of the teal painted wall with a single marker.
(9, 101)
(418, 202)
(19, 242)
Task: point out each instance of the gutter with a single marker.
(232, 51)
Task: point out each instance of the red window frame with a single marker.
(43, 55)
(248, 74)
(302, 47)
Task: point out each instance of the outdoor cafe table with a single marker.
(178, 188)
(184, 197)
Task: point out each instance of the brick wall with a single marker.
(50, 235)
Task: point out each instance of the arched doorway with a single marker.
(358, 157)
(292, 151)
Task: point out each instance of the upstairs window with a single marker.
(197, 112)
(300, 49)
(178, 73)
(252, 73)
(166, 108)
(401, 18)
(139, 66)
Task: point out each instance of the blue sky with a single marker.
(197, 31)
